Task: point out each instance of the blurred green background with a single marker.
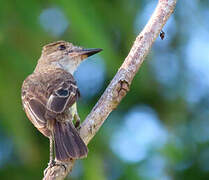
(160, 131)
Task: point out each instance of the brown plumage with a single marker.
(46, 98)
(49, 93)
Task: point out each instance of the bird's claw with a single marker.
(52, 164)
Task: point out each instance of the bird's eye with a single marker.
(62, 47)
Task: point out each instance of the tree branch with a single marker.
(120, 84)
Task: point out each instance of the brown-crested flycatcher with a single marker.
(49, 97)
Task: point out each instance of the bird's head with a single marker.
(65, 55)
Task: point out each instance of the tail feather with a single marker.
(68, 143)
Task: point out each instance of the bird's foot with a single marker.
(53, 165)
(50, 165)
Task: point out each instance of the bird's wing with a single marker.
(48, 94)
(63, 96)
(33, 100)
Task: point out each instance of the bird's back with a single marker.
(36, 91)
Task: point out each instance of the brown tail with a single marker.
(68, 143)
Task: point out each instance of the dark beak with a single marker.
(90, 52)
(84, 53)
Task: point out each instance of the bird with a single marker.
(49, 98)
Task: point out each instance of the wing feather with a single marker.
(46, 97)
(63, 97)
(47, 94)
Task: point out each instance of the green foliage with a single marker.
(109, 25)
